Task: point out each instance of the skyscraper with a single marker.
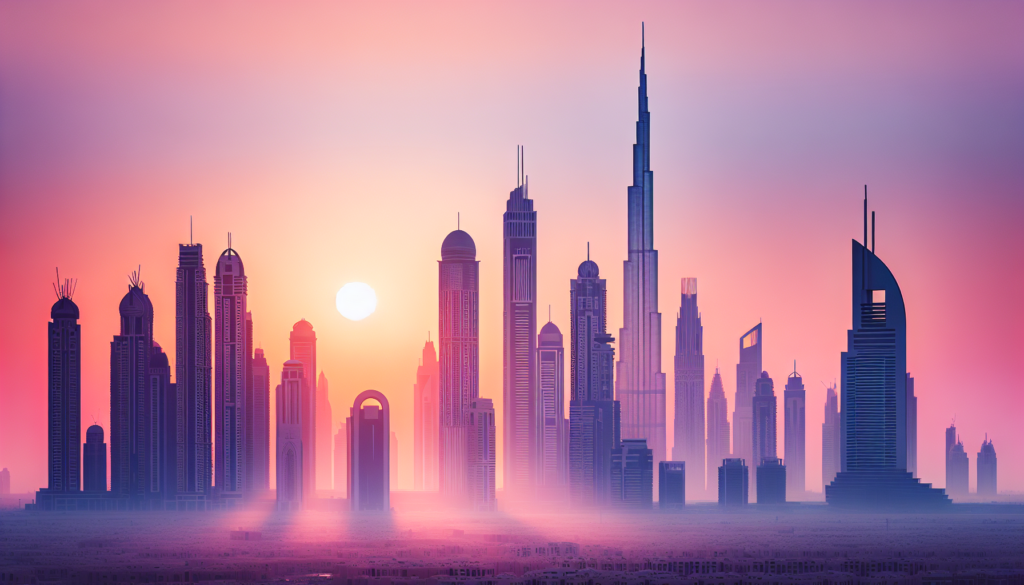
(259, 437)
(341, 461)
(64, 396)
(831, 441)
(632, 474)
(987, 469)
(323, 434)
(481, 452)
(718, 431)
(551, 386)
(95, 461)
(747, 373)
(302, 347)
(230, 292)
(164, 444)
(957, 469)
(194, 468)
(425, 421)
(640, 383)
(911, 426)
(290, 461)
(593, 414)
(133, 407)
(689, 381)
(671, 484)
(764, 426)
(796, 433)
(459, 326)
(369, 429)
(874, 398)
(733, 482)
(522, 424)
(249, 414)
(771, 481)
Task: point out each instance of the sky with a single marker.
(338, 142)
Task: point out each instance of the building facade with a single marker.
(64, 394)
(369, 452)
(689, 386)
(94, 470)
(748, 370)
(640, 383)
(987, 469)
(164, 440)
(733, 482)
(958, 468)
(764, 425)
(632, 475)
(831, 442)
(717, 430)
(302, 348)
(259, 436)
(459, 368)
(522, 416)
(291, 393)
(671, 484)
(554, 451)
(482, 454)
(911, 427)
(231, 343)
(795, 400)
(426, 418)
(192, 371)
(771, 481)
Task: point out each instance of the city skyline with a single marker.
(785, 345)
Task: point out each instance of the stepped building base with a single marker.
(883, 489)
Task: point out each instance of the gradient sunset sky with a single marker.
(338, 141)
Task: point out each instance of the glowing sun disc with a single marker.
(356, 301)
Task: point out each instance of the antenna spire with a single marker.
(458, 220)
(229, 240)
(865, 216)
(190, 230)
(872, 232)
(588, 251)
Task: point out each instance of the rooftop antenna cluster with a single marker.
(66, 289)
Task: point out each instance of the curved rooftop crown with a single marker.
(94, 434)
(550, 334)
(64, 309)
(458, 245)
(230, 256)
(135, 303)
(588, 269)
(303, 328)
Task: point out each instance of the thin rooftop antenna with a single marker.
(229, 240)
(865, 216)
(588, 251)
(872, 232)
(190, 230)
(458, 220)
(549, 313)
(517, 165)
(66, 289)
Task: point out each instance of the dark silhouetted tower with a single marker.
(764, 426)
(795, 399)
(291, 393)
(522, 419)
(831, 442)
(689, 379)
(482, 454)
(957, 465)
(164, 444)
(194, 468)
(94, 460)
(987, 469)
(302, 348)
(459, 369)
(133, 407)
(426, 417)
(632, 474)
(747, 373)
(640, 382)
(771, 481)
(551, 385)
(718, 431)
(230, 292)
(911, 427)
(64, 396)
(593, 414)
(671, 484)
(369, 429)
(259, 438)
(733, 483)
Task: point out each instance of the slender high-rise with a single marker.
(831, 443)
(324, 473)
(718, 431)
(302, 348)
(593, 413)
(987, 469)
(747, 372)
(192, 371)
(291, 396)
(764, 423)
(481, 454)
(249, 413)
(794, 401)
(133, 407)
(64, 395)
(425, 421)
(95, 461)
(958, 467)
(689, 381)
(551, 387)
(259, 437)
(369, 452)
(522, 423)
(873, 415)
(459, 326)
(164, 443)
(230, 292)
(640, 384)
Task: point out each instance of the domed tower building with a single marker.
(459, 368)
(95, 461)
(551, 386)
(230, 292)
(130, 400)
(302, 348)
(64, 399)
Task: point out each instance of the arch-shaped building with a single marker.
(369, 462)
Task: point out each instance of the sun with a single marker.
(356, 301)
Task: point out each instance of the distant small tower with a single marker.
(831, 443)
(481, 451)
(794, 400)
(733, 483)
(341, 461)
(95, 464)
(290, 444)
(764, 417)
(771, 481)
(987, 469)
(632, 473)
(554, 450)
(369, 429)
(957, 470)
(5, 482)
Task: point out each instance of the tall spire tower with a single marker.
(640, 383)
